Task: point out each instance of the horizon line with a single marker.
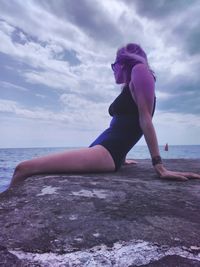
(86, 146)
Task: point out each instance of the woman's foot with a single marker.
(130, 161)
(22, 171)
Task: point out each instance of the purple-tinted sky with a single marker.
(55, 80)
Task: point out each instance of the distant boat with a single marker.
(166, 147)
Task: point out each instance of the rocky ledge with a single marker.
(128, 218)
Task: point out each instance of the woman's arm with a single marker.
(142, 88)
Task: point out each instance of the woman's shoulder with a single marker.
(140, 66)
(142, 69)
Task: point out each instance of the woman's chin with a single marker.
(119, 81)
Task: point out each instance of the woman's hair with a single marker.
(133, 49)
(136, 49)
(137, 55)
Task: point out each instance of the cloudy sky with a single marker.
(55, 79)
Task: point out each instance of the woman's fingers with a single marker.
(190, 175)
(181, 176)
(176, 177)
(195, 176)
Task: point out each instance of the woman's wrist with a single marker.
(158, 165)
(156, 160)
(160, 169)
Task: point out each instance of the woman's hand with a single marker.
(174, 175)
(131, 56)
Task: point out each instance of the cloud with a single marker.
(85, 16)
(42, 64)
(9, 106)
(41, 96)
(41, 36)
(176, 128)
(160, 9)
(76, 113)
(163, 95)
(178, 15)
(62, 51)
(12, 86)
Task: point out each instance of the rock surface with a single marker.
(129, 218)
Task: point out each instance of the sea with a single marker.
(10, 157)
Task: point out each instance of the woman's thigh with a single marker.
(92, 159)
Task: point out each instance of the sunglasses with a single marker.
(115, 66)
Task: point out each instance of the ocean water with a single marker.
(10, 157)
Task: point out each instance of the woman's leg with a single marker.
(92, 159)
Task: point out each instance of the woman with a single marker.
(132, 113)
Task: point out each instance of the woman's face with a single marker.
(119, 73)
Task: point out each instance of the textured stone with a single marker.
(127, 218)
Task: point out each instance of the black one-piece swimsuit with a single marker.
(124, 131)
